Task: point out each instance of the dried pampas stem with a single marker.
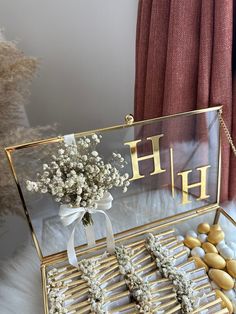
(16, 74)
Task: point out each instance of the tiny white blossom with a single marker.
(94, 153)
(80, 165)
(78, 176)
(61, 151)
(45, 167)
(183, 286)
(84, 157)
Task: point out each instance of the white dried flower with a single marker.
(140, 289)
(89, 268)
(78, 176)
(94, 153)
(183, 285)
(94, 136)
(56, 293)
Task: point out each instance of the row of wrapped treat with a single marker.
(151, 275)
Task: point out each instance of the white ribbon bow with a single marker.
(69, 215)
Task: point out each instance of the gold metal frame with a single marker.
(125, 236)
(128, 234)
(10, 150)
(111, 128)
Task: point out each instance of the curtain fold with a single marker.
(184, 62)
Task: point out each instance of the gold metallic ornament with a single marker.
(231, 267)
(214, 260)
(191, 242)
(203, 228)
(215, 236)
(221, 278)
(209, 247)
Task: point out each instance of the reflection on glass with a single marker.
(172, 163)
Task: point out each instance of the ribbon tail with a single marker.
(71, 243)
(71, 249)
(110, 235)
(89, 230)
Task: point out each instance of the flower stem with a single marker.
(87, 219)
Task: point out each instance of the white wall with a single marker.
(87, 53)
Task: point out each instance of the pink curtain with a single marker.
(184, 62)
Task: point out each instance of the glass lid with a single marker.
(136, 173)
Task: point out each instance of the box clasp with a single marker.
(129, 119)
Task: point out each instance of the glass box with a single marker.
(173, 164)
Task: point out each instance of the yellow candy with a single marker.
(203, 228)
(215, 227)
(209, 247)
(191, 242)
(214, 260)
(231, 267)
(199, 262)
(221, 278)
(215, 236)
(225, 300)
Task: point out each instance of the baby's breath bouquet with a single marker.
(77, 176)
